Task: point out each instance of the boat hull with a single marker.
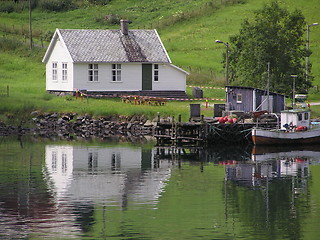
(273, 137)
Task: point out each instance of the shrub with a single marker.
(56, 5)
(111, 19)
(99, 2)
(47, 36)
(16, 6)
(7, 7)
(9, 44)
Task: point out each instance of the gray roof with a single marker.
(113, 46)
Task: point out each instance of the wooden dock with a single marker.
(203, 132)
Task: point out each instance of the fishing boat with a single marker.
(296, 128)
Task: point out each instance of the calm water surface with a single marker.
(101, 190)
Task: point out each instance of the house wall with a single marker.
(170, 78)
(131, 75)
(59, 55)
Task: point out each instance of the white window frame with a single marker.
(239, 97)
(65, 72)
(116, 73)
(93, 72)
(54, 71)
(156, 72)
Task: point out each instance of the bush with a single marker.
(7, 7)
(56, 5)
(47, 36)
(9, 44)
(113, 19)
(99, 2)
(16, 6)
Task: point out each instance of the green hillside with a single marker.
(188, 29)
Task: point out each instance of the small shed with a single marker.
(249, 99)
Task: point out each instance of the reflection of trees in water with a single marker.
(275, 208)
(84, 216)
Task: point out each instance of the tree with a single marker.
(274, 36)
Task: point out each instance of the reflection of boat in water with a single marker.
(295, 129)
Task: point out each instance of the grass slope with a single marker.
(187, 28)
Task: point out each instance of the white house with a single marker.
(111, 61)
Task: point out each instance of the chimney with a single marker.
(124, 26)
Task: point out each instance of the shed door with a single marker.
(146, 76)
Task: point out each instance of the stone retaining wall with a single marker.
(71, 125)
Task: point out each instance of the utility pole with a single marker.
(268, 87)
(293, 90)
(227, 60)
(30, 24)
(307, 47)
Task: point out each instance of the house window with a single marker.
(54, 161)
(239, 98)
(64, 72)
(92, 161)
(300, 117)
(54, 71)
(156, 72)
(115, 162)
(116, 72)
(93, 72)
(306, 116)
(64, 163)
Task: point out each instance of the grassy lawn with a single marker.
(187, 28)
(26, 81)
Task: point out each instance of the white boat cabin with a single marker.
(295, 118)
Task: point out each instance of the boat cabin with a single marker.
(295, 117)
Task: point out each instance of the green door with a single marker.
(146, 76)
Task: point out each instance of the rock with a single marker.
(61, 121)
(148, 123)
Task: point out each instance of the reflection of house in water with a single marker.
(109, 174)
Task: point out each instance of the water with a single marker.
(103, 190)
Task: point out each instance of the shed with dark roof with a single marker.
(111, 61)
(249, 99)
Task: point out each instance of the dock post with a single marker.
(173, 132)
